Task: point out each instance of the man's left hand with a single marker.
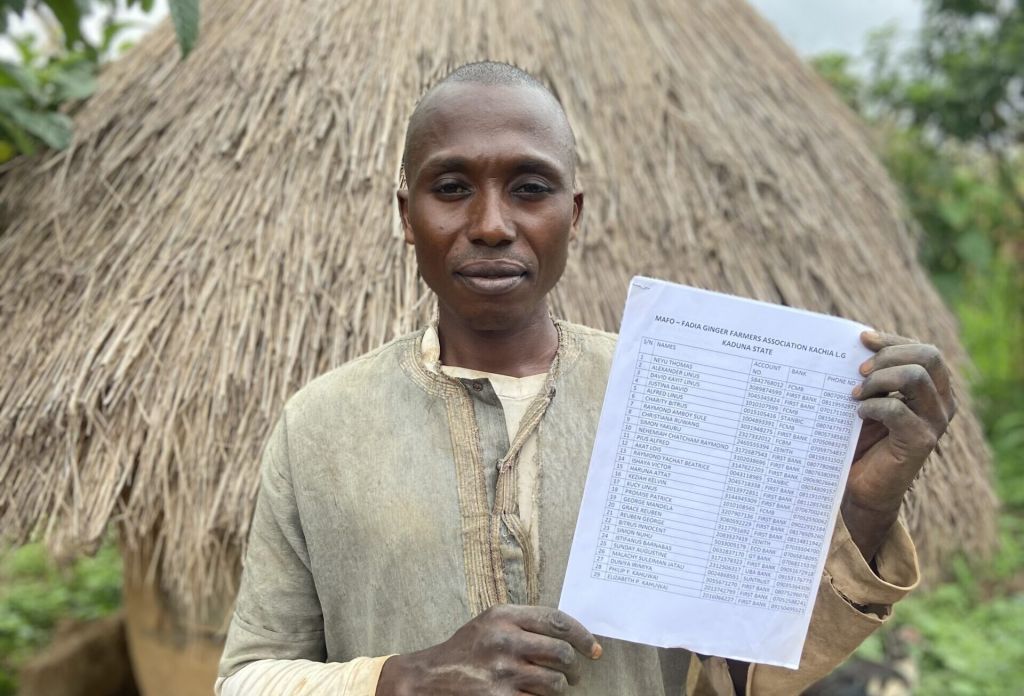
(907, 403)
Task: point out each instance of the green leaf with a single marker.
(69, 82)
(71, 86)
(52, 128)
(12, 75)
(23, 142)
(185, 14)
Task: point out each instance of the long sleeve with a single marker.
(357, 677)
(275, 642)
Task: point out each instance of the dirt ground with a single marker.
(169, 658)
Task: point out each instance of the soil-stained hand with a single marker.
(907, 404)
(508, 650)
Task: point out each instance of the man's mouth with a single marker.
(492, 277)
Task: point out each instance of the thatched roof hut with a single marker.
(222, 230)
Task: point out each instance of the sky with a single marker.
(816, 26)
(810, 26)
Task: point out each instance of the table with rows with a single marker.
(725, 477)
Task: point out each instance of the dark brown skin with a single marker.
(490, 180)
(506, 651)
(491, 192)
(898, 432)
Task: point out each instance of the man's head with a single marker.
(490, 203)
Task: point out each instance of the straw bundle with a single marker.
(223, 229)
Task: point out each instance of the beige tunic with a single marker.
(389, 514)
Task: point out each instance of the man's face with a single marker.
(490, 205)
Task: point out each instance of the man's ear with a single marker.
(403, 212)
(577, 212)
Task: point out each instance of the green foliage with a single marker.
(963, 83)
(185, 15)
(31, 93)
(966, 80)
(70, 15)
(948, 116)
(992, 319)
(836, 68)
(971, 629)
(965, 194)
(35, 594)
(973, 246)
(36, 92)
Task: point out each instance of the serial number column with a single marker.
(612, 532)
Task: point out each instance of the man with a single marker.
(419, 502)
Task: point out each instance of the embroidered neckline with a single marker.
(482, 526)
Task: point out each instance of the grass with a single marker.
(972, 629)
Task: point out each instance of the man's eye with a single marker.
(533, 188)
(450, 188)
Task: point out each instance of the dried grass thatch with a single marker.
(222, 230)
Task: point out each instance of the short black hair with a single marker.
(491, 73)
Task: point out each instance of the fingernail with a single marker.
(856, 390)
(871, 335)
(866, 367)
(596, 652)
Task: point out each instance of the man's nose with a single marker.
(490, 224)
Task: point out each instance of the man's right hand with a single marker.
(508, 650)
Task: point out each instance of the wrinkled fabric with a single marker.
(387, 517)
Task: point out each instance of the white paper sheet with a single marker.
(722, 453)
